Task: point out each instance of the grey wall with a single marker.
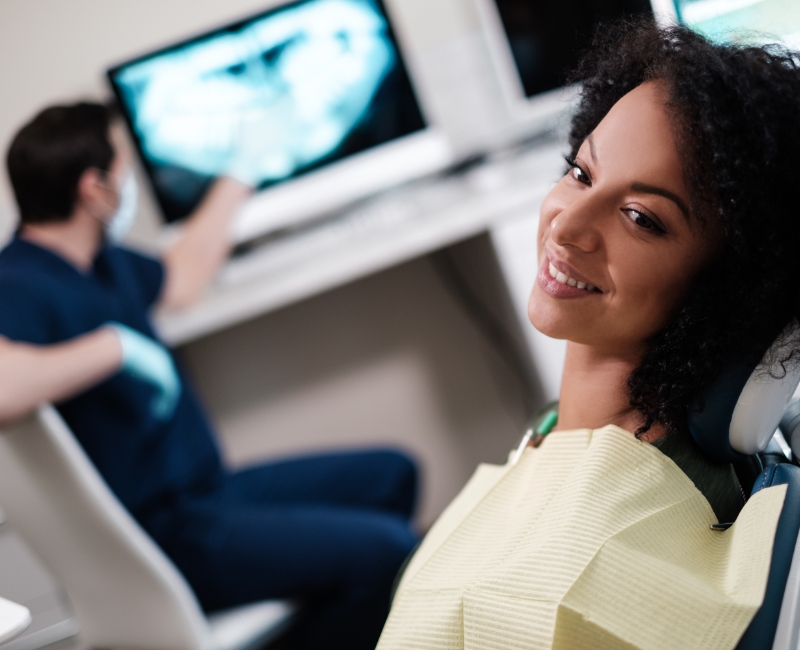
(389, 360)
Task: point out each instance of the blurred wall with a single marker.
(391, 359)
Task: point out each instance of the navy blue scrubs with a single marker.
(331, 529)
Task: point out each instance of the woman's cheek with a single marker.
(545, 225)
(541, 238)
(650, 297)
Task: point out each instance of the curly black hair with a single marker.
(735, 112)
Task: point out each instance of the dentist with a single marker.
(331, 530)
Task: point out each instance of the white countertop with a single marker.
(391, 229)
(14, 619)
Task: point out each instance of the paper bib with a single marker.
(595, 540)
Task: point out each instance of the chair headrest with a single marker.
(790, 426)
(738, 414)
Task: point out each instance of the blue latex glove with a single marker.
(149, 361)
(246, 163)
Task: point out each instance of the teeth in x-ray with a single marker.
(278, 95)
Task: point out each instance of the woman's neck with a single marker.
(594, 392)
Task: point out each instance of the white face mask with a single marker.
(120, 222)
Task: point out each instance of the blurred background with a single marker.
(347, 351)
(377, 294)
(378, 291)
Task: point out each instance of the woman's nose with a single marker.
(579, 224)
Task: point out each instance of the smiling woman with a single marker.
(625, 198)
(619, 250)
(725, 219)
(668, 248)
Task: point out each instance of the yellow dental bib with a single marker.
(594, 540)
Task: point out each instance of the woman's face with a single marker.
(617, 245)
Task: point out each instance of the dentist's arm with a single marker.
(204, 244)
(32, 374)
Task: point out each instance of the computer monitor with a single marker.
(745, 21)
(535, 44)
(311, 101)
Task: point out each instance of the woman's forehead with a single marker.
(636, 141)
(639, 123)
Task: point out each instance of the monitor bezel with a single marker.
(435, 136)
(665, 12)
(539, 110)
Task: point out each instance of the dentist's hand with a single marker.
(261, 149)
(148, 361)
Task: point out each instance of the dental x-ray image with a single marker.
(744, 21)
(266, 99)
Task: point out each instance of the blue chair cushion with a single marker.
(760, 635)
(709, 418)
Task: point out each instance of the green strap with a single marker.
(547, 423)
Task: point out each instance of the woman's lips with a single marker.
(554, 288)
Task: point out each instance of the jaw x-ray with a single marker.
(744, 21)
(267, 99)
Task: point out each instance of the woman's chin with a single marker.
(548, 323)
(554, 321)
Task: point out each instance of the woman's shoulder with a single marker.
(716, 482)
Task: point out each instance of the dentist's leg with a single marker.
(340, 561)
(383, 480)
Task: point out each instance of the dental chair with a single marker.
(125, 592)
(746, 418)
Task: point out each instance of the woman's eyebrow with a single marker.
(660, 191)
(592, 150)
(644, 187)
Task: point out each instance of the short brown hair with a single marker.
(49, 154)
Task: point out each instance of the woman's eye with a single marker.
(578, 173)
(643, 221)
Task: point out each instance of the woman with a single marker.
(666, 249)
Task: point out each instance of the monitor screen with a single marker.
(745, 21)
(547, 37)
(268, 98)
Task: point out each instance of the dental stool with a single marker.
(125, 592)
(743, 419)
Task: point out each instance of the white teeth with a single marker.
(565, 279)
